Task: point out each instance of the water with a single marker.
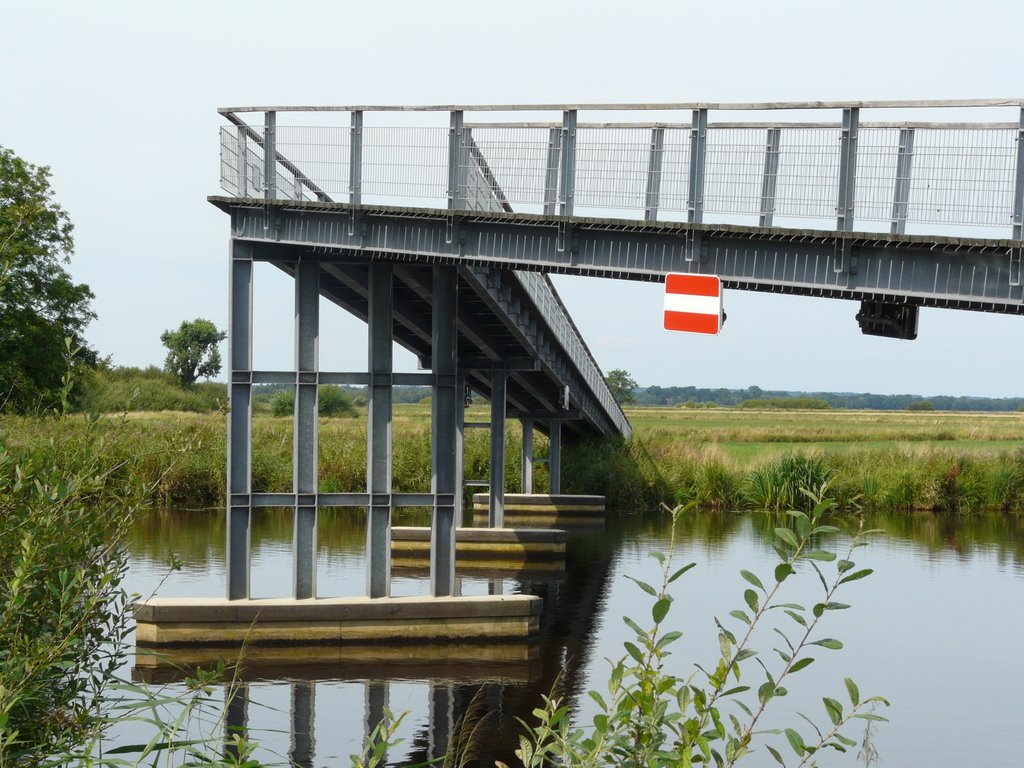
(935, 630)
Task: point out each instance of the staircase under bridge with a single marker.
(440, 236)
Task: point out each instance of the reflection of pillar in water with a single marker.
(303, 744)
(440, 719)
(236, 717)
(376, 705)
(496, 586)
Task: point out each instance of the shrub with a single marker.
(332, 401)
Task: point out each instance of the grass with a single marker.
(721, 458)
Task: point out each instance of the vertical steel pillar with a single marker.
(551, 171)
(654, 174)
(496, 498)
(304, 440)
(847, 169)
(444, 411)
(695, 193)
(901, 189)
(355, 160)
(270, 156)
(460, 446)
(303, 742)
(555, 457)
(378, 433)
(239, 459)
(527, 471)
(770, 176)
(567, 178)
(1018, 186)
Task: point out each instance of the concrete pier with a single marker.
(394, 629)
(544, 510)
(484, 549)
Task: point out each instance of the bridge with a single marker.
(441, 236)
(441, 239)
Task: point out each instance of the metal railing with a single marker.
(864, 175)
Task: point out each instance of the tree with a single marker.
(192, 351)
(40, 305)
(622, 385)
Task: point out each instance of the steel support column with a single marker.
(444, 413)
(901, 188)
(236, 717)
(770, 176)
(567, 179)
(847, 169)
(270, 155)
(440, 719)
(304, 465)
(527, 471)
(653, 191)
(378, 448)
(496, 498)
(376, 706)
(239, 474)
(555, 457)
(456, 186)
(355, 160)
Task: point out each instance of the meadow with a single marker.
(723, 458)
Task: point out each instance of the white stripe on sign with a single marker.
(700, 305)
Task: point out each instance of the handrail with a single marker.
(653, 106)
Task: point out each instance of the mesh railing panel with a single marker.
(405, 162)
(321, 153)
(517, 158)
(808, 181)
(675, 170)
(734, 170)
(611, 167)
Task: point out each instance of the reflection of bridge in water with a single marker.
(457, 275)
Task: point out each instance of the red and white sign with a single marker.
(693, 303)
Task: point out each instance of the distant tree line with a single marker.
(677, 396)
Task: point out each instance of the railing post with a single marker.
(270, 156)
(496, 497)
(567, 180)
(551, 171)
(770, 177)
(355, 160)
(243, 156)
(443, 431)
(239, 474)
(1018, 186)
(527, 458)
(379, 434)
(456, 191)
(847, 169)
(695, 195)
(654, 174)
(304, 468)
(901, 190)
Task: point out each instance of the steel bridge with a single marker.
(440, 237)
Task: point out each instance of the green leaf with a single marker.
(680, 572)
(846, 740)
(738, 614)
(834, 710)
(795, 741)
(803, 663)
(644, 586)
(668, 638)
(765, 692)
(751, 597)
(660, 557)
(787, 536)
(743, 654)
(857, 575)
(844, 565)
(737, 689)
(823, 556)
(782, 570)
(830, 643)
(751, 578)
(634, 626)
(851, 688)
(660, 609)
(775, 753)
(633, 651)
(824, 529)
(797, 618)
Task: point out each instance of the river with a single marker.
(935, 630)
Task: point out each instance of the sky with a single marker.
(120, 99)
